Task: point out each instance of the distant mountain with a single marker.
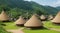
(20, 7)
(58, 8)
(45, 9)
(51, 10)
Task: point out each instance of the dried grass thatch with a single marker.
(20, 21)
(33, 22)
(42, 17)
(4, 16)
(57, 18)
(50, 17)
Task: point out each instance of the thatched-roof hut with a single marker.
(43, 18)
(33, 22)
(20, 22)
(50, 17)
(4, 16)
(57, 19)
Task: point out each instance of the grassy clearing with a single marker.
(40, 31)
(49, 24)
(10, 25)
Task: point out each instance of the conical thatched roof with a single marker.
(42, 17)
(33, 22)
(21, 20)
(50, 17)
(57, 18)
(4, 16)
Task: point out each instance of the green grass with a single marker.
(2, 30)
(40, 31)
(49, 24)
(10, 25)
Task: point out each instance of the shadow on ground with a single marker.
(39, 28)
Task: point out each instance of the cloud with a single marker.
(53, 3)
(57, 3)
(46, 2)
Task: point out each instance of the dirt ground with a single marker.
(16, 31)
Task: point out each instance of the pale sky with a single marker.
(53, 3)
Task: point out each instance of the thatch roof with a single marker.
(50, 17)
(21, 20)
(4, 16)
(42, 17)
(57, 18)
(33, 22)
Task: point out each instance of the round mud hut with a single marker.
(4, 17)
(20, 22)
(56, 20)
(33, 22)
(43, 18)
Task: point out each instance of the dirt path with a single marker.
(16, 31)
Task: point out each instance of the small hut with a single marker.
(20, 22)
(56, 20)
(3, 16)
(50, 17)
(33, 22)
(43, 18)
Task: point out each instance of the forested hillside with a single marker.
(16, 8)
(58, 7)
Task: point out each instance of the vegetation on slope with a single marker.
(16, 8)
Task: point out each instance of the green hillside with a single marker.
(51, 10)
(58, 8)
(16, 8)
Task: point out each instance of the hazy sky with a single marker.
(53, 3)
